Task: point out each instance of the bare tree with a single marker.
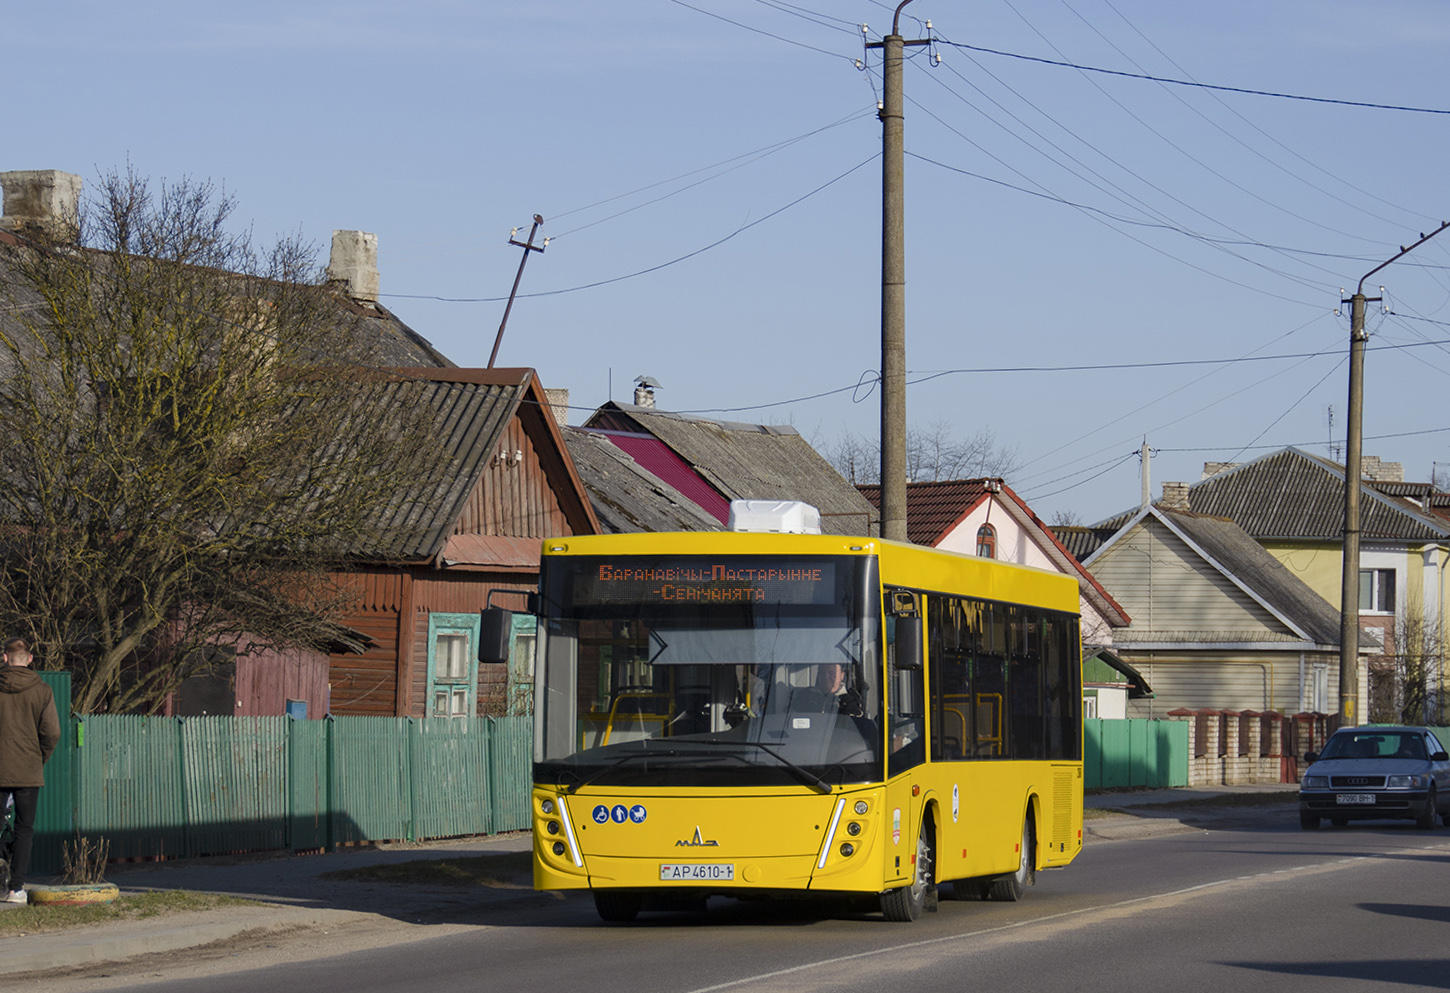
(1066, 518)
(186, 439)
(932, 453)
(1405, 682)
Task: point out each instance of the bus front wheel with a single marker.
(906, 903)
(1012, 887)
(617, 906)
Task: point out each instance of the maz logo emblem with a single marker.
(697, 841)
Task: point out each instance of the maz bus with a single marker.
(756, 714)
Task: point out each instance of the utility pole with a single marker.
(893, 283)
(528, 247)
(1349, 585)
(1145, 454)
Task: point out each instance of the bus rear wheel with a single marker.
(617, 906)
(907, 903)
(1010, 888)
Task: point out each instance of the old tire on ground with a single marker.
(70, 896)
(617, 906)
(907, 902)
(1010, 888)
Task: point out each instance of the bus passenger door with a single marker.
(906, 735)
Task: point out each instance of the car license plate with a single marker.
(677, 872)
(1354, 798)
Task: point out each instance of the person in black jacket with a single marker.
(29, 732)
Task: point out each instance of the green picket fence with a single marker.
(1134, 752)
(176, 787)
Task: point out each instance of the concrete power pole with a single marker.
(893, 285)
(1354, 430)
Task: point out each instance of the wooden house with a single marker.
(472, 529)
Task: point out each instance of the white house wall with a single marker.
(1020, 546)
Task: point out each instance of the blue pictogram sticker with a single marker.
(601, 814)
(637, 813)
(620, 813)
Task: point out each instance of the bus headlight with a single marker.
(853, 828)
(861, 807)
(552, 827)
(547, 807)
(559, 848)
(848, 849)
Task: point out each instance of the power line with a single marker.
(654, 268)
(1191, 83)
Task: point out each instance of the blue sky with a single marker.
(1055, 218)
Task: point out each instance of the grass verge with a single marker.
(504, 870)
(50, 917)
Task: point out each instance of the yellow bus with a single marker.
(757, 714)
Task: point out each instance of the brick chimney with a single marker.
(43, 201)
(644, 391)
(1175, 496)
(559, 405)
(354, 264)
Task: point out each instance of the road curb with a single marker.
(63, 949)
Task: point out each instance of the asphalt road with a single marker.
(1238, 907)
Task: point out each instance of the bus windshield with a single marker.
(726, 671)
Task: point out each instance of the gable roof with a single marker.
(749, 462)
(1231, 552)
(469, 410)
(392, 342)
(935, 509)
(1292, 494)
(627, 497)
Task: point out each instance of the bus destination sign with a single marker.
(800, 581)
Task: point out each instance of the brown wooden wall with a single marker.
(514, 500)
(367, 684)
(391, 678)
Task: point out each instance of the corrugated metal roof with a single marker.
(467, 419)
(655, 457)
(750, 462)
(1249, 562)
(628, 498)
(1293, 494)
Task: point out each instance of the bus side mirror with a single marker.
(906, 615)
(908, 643)
(495, 635)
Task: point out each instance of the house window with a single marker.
(1377, 591)
(987, 541)
(452, 665)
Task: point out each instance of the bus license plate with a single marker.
(675, 872)
(1348, 798)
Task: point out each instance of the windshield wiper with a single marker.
(642, 753)
(805, 775)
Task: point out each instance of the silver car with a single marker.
(1376, 772)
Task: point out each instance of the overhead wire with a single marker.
(1204, 86)
(1301, 158)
